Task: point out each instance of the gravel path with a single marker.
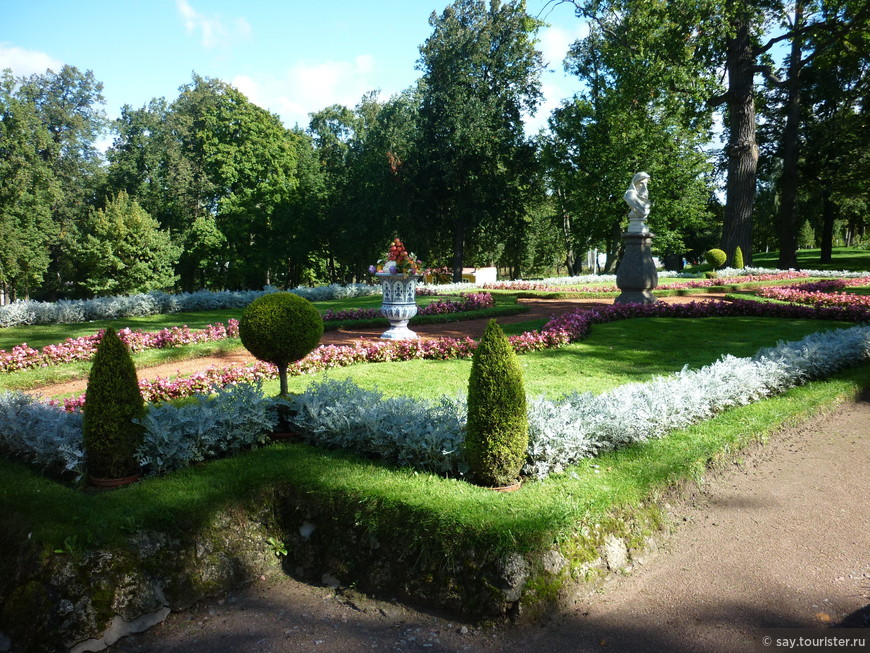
(779, 540)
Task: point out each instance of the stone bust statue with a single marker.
(637, 198)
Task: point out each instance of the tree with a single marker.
(28, 191)
(69, 105)
(121, 250)
(833, 35)
(481, 71)
(221, 174)
(624, 122)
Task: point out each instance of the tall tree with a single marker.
(28, 192)
(822, 33)
(623, 122)
(69, 105)
(481, 72)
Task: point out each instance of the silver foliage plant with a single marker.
(428, 435)
(565, 431)
(156, 303)
(235, 418)
(403, 430)
(40, 434)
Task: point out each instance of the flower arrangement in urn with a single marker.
(398, 261)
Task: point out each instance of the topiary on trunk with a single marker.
(280, 328)
(497, 435)
(112, 402)
(738, 259)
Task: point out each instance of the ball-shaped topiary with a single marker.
(737, 263)
(497, 434)
(716, 258)
(280, 328)
(112, 402)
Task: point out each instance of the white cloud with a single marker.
(307, 87)
(26, 62)
(214, 30)
(554, 43)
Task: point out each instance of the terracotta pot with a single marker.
(513, 487)
(112, 483)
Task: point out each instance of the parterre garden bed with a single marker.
(71, 561)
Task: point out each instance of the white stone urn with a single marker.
(399, 304)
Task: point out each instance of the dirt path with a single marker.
(539, 309)
(780, 540)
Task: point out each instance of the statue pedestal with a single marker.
(636, 276)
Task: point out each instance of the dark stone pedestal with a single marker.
(636, 276)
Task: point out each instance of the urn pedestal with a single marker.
(636, 276)
(399, 304)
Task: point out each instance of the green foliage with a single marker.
(121, 250)
(112, 402)
(28, 190)
(738, 259)
(280, 328)
(497, 433)
(716, 258)
(481, 72)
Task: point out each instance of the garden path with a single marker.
(778, 540)
(539, 309)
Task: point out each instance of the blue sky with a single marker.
(290, 57)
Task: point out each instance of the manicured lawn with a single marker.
(843, 258)
(614, 354)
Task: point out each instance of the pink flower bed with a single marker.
(559, 331)
(820, 293)
(81, 349)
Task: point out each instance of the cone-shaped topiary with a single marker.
(112, 402)
(716, 258)
(280, 328)
(737, 263)
(497, 435)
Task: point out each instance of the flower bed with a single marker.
(821, 293)
(23, 357)
(558, 332)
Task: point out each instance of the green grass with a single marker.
(427, 511)
(843, 258)
(614, 354)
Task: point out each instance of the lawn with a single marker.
(615, 353)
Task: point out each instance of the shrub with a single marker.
(497, 430)
(112, 402)
(737, 263)
(280, 328)
(716, 258)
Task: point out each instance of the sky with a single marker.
(291, 57)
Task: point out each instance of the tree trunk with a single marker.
(827, 252)
(458, 248)
(788, 218)
(742, 150)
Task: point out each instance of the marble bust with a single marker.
(637, 198)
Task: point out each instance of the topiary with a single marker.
(497, 434)
(112, 402)
(280, 328)
(716, 258)
(737, 263)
